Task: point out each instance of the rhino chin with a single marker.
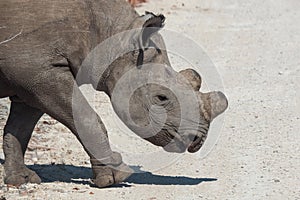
(174, 147)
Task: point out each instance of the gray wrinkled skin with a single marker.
(42, 47)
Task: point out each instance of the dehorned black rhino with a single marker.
(46, 45)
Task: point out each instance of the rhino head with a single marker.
(161, 105)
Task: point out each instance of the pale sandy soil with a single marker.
(254, 45)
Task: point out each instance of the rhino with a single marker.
(44, 46)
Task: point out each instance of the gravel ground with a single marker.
(254, 45)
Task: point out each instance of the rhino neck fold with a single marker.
(111, 59)
(112, 76)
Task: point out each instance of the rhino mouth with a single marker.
(192, 143)
(197, 143)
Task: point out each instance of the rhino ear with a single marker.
(192, 77)
(152, 24)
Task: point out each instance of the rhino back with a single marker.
(34, 31)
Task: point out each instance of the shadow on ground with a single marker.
(82, 175)
(143, 177)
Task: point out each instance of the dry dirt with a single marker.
(254, 45)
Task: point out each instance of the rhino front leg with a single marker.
(17, 133)
(56, 93)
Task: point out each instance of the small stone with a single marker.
(23, 193)
(34, 159)
(60, 190)
(276, 180)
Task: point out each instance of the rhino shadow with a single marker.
(82, 175)
(144, 177)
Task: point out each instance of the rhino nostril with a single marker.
(192, 138)
(196, 140)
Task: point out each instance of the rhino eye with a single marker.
(162, 100)
(162, 97)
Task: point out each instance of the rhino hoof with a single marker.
(18, 178)
(110, 175)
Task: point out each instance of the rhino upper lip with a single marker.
(197, 143)
(193, 146)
